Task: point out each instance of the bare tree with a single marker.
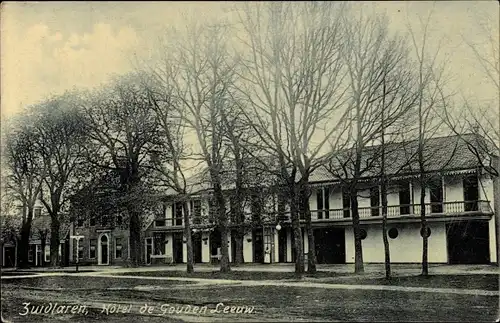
(25, 174)
(203, 87)
(61, 139)
(381, 95)
(292, 79)
(432, 101)
(123, 132)
(169, 162)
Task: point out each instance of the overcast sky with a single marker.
(48, 47)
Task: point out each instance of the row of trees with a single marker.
(290, 88)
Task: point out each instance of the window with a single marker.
(92, 221)
(404, 197)
(38, 212)
(346, 203)
(80, 252)
(436, 190)
(159, 243)
(212, 210)
(79, 222)
(105, 220)
(256, 208)
(119, 220)
(428, 232)
(363, 234)
(178, 214)
(196, 210)
(92, 248)
(323, 203)
(393, 233)
(30, 253)
(375, 201)
(46, 254)
(118, 247)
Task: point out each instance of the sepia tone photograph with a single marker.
(250, 161)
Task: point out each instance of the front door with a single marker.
(103, 251)
(196, 241)
(282, 245)
(178, 247)
(258, 246)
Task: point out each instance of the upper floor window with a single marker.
(92, 221)
(38, 212)
(196, 210)
(178, 213)
(323, 202)
(375, 200)
(80, 221)
(346, 202)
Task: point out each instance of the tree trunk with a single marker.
(135, 238)
(54, 240)
(222, 220)
(189, 241)
(387, 254)
(425, 239)
(297, 232)
(358, 248)
(238, 245)
(305, 193)
(25, 242)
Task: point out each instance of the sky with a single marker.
(49, 47)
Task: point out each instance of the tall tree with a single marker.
(25, 174)
(169, 163)
(431, 102)
(61, 140)
(292, 78)
(203, 85)
(123, 132)
(380, 95)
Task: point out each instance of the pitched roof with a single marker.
(440, 154)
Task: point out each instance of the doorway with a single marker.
(103, 251)
(177, 247)
(330, 245)
(196, 241)
(282, 245)
(258, 246)
(468, 242)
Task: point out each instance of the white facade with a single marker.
(405, 248)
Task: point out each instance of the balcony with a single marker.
(394, 211)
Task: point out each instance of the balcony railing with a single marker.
(444, 208)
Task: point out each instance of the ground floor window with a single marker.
(118, 247)
(92, 249)
(47, 254)
(80, 252)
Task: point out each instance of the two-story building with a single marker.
(459, 210)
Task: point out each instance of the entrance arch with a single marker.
(103, 250)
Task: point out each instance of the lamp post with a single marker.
(77, 238)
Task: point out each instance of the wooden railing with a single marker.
(445, 208)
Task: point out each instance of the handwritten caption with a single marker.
(112, 308)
